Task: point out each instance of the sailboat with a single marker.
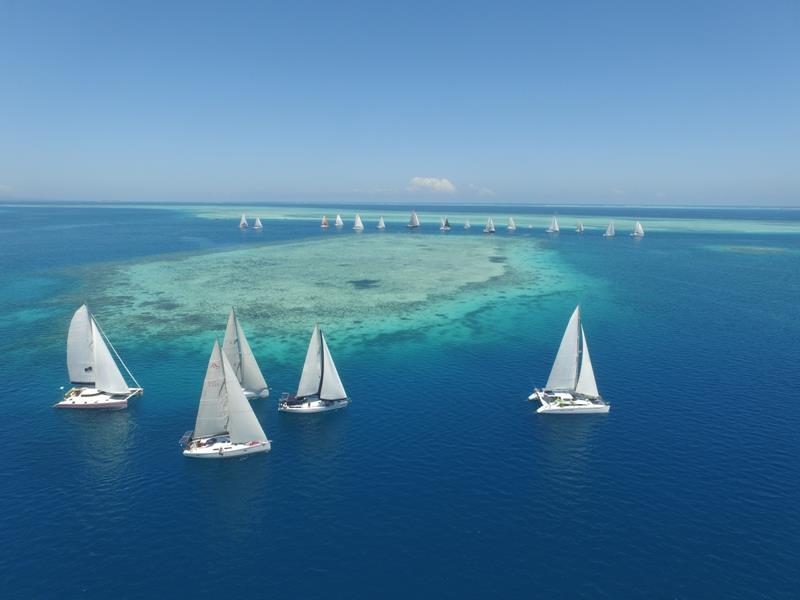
(96, 378)
(445, 224)
(338, 222)
(489, 226)
(609, 230)
(257, 224)
(381, 224)
(579, 227)
(226, 425)
(324, 223)
(413, 222)
(358, 225)
(571, 387)
(242, 360)
(512, 226)
(466, 224)
(553, 226)
(320, 387)
(243, 222)
(638, 230)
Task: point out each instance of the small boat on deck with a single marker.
(320, 388)
(96, 378)
(571, 387)
(226, 425)
(242, 360)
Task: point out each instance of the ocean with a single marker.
(440, 480)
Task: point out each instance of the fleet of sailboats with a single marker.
(96, 378)
(226, 425)
(571, 387)
(320, 387)
(242, 360)
(358, 225)
(553, 228)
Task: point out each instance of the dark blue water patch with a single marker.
(364, 284)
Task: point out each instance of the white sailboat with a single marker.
(571, 387)
(257, 224)
(243, 222)
(96, 378)
(610, 230)
(324, 223)
(358, 224)
(226, 425)
(638, 230)
(338, 222)
(466, 224)
(512, 226)
(320, 387)
(381, 224)
(444, 224)
(553, 228)
(242, 360)
(489, 226)
(413, 222)
(579, 227)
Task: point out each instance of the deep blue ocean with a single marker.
(440, 480)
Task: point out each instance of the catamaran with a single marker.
(226, 425)
(243, 222)
(257, 224)
(553, 226)
(444, 224)
(638, 230)
(579, 227)
(489, 226)
(512, 226)
(96, 378)
(413, 222)
(320, 386)
(381, 224)
(609, 230)
(242, 360)
(466, 224)
(571, 387)
(358, 225)
(338, 222)
(324, 223)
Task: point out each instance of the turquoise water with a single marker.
(439, 480)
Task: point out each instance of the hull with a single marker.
(566, 404)
(573, 410)
(312, 406)
(91, 399)
(221, 447)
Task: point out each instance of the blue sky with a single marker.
(552, 102)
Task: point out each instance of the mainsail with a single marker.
(512, 226)
(414, 220)
(358, 225)
(572, 370)
(241, 357)
(324, 222)
(579, 228)
(212, 417)
(80, 351)
(257, 224)
(638, 230)
(320, 377)
(553, 226)
(489, 226)
(609, 230)
(243, 222)
(381, 224)
(339, 222)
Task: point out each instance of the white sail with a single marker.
(106, 372)
(381, 224)
(331, 388)
(441, 222)
(243, 222)
(358, 225)
(553, 226)
(579, 228)
(257, 224)
(512, 226)
(446, 223)
(489, 226)
(241, 357)
(609, 230)
(414, 220)
(564, 373)
(339, 222)
(80, 351)
(212, 414)
(243, 425)
(324, 223)
(312, 367)
(466, 224)
(586, 383)
(638, 230)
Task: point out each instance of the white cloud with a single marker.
(431, 184)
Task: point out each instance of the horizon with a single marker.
(684, 105)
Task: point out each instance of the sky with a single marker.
(624, 102)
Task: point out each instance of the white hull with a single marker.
(565, 403)
(221, 447)
(313, 406)
(89, 398)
